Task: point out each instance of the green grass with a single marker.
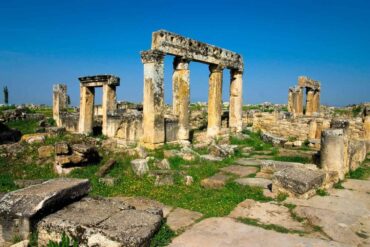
(362, 173)
(254, 141)
(282, 197)
(163, 236)
(322, 192)
(25, 126)
(273, 227)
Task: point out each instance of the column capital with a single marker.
(236, 72)
(215, 68)
(181, 63)
(152, 56)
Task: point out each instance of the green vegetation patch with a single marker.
(25, 126)
(363, 173)
(273, 227)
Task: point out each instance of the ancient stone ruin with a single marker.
(151, 126)
(295, 97)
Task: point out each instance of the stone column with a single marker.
(87, 95)
(309, 102)
(333, 151)
(153, 100)
(59, 101)
(109, 104)
(236, 101)
(290, 100)
(181, 95)
(214, 100)
(316, 101)
(312, 130)
(298, 101)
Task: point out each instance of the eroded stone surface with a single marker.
(248, 162)
(181, 218)
(100, 222)
(255, 182)
(266, 213)
(21, 209)
(220, 232)
(240, 171)
(357, 185)
(216, 181)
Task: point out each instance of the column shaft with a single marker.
(236, 100)
(86, 109)
(181, 96)
(299, 102)
(109, 104)
(214, 101)
(309, 102)
(153, 103)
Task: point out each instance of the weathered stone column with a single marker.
(312, 130)
(153, 102)
(87, 95)
(214, 100)
(181, 95)
(309, 102)
(290, 100)
(109, 104)
(59, 101)
(236, 101)
(333, 151)
(316, 101)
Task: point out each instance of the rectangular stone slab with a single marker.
(298, 180)
(21, 209)
(101, 222)
(177, 45)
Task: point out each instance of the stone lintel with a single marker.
(304, 81)
(152, 56)
(177, 45)
(99, 80)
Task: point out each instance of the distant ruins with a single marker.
(152, 127)
(295, 97)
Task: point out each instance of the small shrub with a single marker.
(65, 242)
(163, 236)
(322, 192)
(281, 197)
(360, 173)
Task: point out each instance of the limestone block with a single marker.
(62, 148)
(100, 222)
(20, 209)
(45, 151)
(140, 166)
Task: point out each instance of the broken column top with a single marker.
(59, 87)
(177, 45)
(332, 132)
(99, 80)
(304, 81)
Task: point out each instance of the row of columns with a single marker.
(295, 101)
(153, 103)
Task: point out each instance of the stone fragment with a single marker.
(55, 130)
(22, 183)
(216, 181)
(103, 170)
(210, 157)
(221, 150)
(189, 180)
(45, 151)
(164, 164)
(240, 171)
(219, 232)
(255, 182)
(62, 148)
(165, 179)
(140, 166)
(274, 140)
(108, 181)
(298, 181)
(181, 218)
(357, 185)
(170, 153)
(21, 209)
(34, 138)
(100, 222)
(271, 166)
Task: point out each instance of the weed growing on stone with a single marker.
(163, 237)
(273, 227)
(322, 192)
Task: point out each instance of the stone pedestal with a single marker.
(60, 101)
(87, 95)
(236, 100)
(108, 105)
(333, 151)
(181, 95)
(153, 103)
(214, 100)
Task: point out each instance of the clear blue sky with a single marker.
(46, 42)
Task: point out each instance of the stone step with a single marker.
(101, 222)
(21, 209)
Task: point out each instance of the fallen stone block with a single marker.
(240, 171)
(105, 168)
(255, 182)
(45, 151)
(100, 222)
(34, 138)
(20, 210)
(181, 218)
(140, 166)
(216, 181)
(210, 157)
(62, 148)
(298, 182)
(271, 166)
